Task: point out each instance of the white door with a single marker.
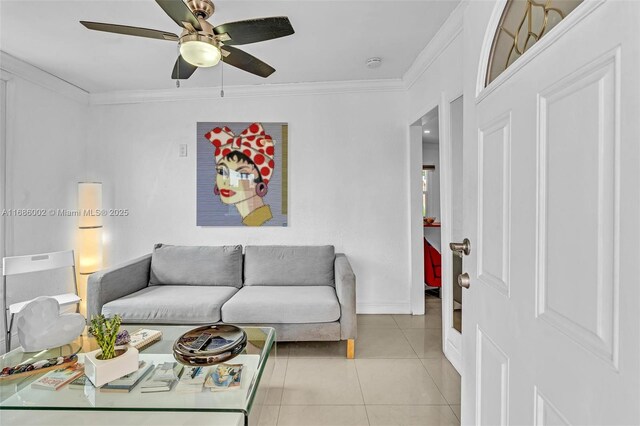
(552, 316)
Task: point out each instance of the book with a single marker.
(55, 379)
(144, 337)
(163, 377)
(80, 382)
(224, 377)
(126, 383)
(192, 380)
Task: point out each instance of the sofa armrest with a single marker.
(116, 282)
(345, 281)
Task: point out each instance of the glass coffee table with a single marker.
(20, 402)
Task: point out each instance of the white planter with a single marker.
(103, 371)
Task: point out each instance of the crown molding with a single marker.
(447, 33)
(19, 68)
(288, 89)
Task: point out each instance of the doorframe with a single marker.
(451, 339)
(416, 223)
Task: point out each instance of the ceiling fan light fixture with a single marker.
(200, 51)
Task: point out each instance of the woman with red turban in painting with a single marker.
(244, 166)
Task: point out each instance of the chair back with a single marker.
(37, 262)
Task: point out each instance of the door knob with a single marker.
(460, 248)
(464, 280)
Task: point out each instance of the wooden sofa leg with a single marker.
(351, 349)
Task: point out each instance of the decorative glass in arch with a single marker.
(522, 24)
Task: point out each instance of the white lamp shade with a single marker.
(200, 53)
(90, 252)
(89, 202)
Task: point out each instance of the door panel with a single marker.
(558, 227)
(492, 378)
(494, 186)
(546, 414)
(576, 193)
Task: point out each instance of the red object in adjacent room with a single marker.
(432, 265)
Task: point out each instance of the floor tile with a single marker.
(383, 343)
(318, 381)
(274, 396)
(411, 415)
(397, 381)
(269, 415)
(378, 321)
(456, 410)
(283, 348)
(426, 342)
(431, 319)
(323, 415)
(432, 300)
(318, 350)
(446, 377)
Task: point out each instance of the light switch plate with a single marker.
(183, 150)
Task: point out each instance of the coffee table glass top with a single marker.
(17, 394)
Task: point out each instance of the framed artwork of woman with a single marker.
(242, 174)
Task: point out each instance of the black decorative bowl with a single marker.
(210, 344)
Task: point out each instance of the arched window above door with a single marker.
(522, 24)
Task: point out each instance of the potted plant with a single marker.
(110, 362)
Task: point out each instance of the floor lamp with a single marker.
(90, 229)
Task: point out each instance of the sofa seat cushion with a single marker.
(282, 304)
(169, 304)
(289, 265)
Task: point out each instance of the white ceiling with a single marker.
(430, 122)
(333, 40)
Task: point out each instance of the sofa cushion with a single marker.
(171, 304)
(282, 304)
(289, 265)
(185, 265)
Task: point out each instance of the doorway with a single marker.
(436, 218)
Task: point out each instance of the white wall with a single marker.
(436, 79)
(431, 157)
(45, 149)
(347, 177)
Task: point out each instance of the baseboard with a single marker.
(383, 308)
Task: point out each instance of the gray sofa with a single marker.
(307, 293)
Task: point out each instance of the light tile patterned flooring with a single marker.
(399, 377)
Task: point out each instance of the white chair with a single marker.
(35, 263)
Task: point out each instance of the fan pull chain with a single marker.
(222, 74)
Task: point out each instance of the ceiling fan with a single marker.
(202, 44)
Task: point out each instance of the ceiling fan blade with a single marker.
(254, 30)
(182, 70)
(126, 30)
(246, 62)
(179, 12)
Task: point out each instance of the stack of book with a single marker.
(163, 378)
(192, 380)
(224, 377)
(55, 379)
(126, 383)
(144, 337)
